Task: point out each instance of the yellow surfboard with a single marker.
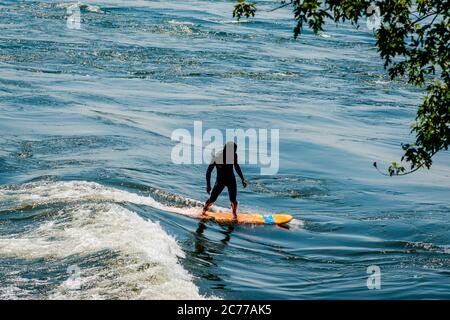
(254, 218)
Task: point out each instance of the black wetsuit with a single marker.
(225, 177)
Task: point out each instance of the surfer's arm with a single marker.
(239, 171)
(208, 175)
(237, 167)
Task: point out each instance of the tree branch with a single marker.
(404, 173)
(282, 6)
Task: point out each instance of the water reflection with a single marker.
(203, 246)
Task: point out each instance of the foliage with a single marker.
(414, 42)
(243, 8)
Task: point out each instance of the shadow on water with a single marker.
(203, 247)
(206, 255)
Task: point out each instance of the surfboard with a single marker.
(254, 218)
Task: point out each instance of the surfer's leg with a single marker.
(218, 188)
(207, 205)
(232, 192)
(234, 206)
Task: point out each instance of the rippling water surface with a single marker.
(86, 179)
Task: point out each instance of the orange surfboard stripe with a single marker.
(254, 218)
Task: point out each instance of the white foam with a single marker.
(72, 191)
(236, 21)
(181, 23)
(297, 224)
(324, 35)
(143, 260)
(80, 5)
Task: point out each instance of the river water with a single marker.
(92, 207)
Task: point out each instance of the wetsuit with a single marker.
(225, 177)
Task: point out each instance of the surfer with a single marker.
(224, 162)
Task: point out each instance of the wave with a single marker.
(119, 255)
(82, 6)
(298, 187)
(47, 192)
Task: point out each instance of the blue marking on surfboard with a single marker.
(268, 219)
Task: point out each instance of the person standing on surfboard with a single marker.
(224, 162)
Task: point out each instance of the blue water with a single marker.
(87, 181)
